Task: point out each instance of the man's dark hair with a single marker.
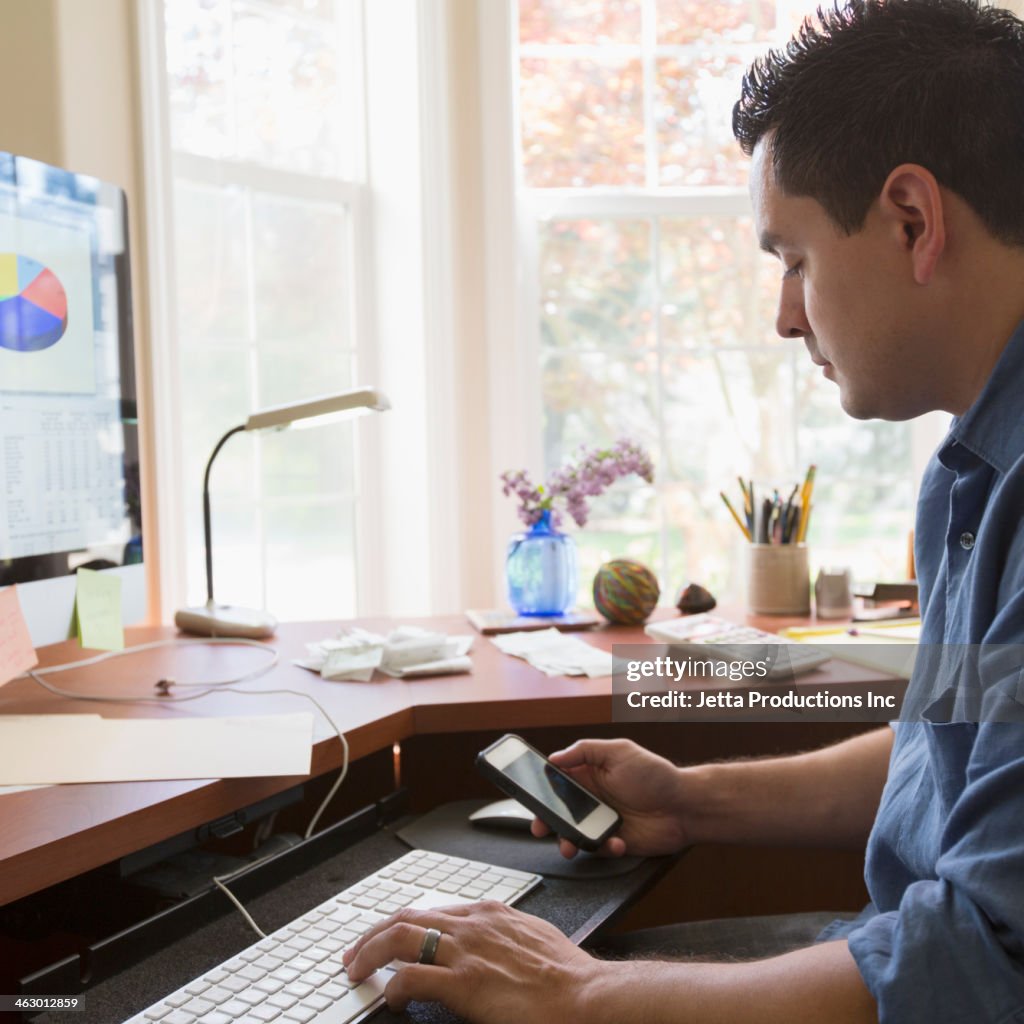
(878, 83)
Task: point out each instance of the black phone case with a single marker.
(558, 825)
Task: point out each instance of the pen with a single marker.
(732, 512)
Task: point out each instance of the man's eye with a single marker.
(793, 271)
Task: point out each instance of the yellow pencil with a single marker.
(805, 502)
(732, 512)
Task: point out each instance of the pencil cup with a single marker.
(778, 579)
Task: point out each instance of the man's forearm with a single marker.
(817, 984)
(825, 798)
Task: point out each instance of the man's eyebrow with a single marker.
(770, 243)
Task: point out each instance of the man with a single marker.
(888, 179)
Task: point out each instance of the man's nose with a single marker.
(791, 318)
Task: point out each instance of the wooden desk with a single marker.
(49, 835)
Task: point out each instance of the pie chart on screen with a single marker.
(33, 304)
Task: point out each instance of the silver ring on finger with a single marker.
(429, 948)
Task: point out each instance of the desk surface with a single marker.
(52, 834)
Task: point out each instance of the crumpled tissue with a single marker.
(405, 653)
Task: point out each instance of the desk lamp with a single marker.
(214, 619)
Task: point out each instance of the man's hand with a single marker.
(492, 963)
(647, 790)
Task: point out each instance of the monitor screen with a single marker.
(69, 454)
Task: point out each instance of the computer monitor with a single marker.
(69, 449)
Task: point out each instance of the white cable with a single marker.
(219, 882)
(223, 686)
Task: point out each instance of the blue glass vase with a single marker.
(541, 570)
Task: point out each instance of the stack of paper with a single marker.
(404, 653)
(41, 749)
(556, 654)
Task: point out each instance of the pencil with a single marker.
(732, 512)
(805, 502)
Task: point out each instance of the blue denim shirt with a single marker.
(943, 939)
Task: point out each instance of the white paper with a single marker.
(556, 654)
(45, 749)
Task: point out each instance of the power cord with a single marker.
(164, 688)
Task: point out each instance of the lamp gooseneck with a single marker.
(206, 513)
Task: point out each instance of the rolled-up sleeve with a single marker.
(954, 949)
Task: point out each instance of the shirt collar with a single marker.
(993, 427)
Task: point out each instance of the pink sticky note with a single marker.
(16, 651)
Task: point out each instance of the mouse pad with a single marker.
(446, 830)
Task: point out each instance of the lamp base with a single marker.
(225, 620)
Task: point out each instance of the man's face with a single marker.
(848, 296)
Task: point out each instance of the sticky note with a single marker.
(16, 651)
(98, 610)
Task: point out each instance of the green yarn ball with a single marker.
(625, 592)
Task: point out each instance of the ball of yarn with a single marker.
(625, 592)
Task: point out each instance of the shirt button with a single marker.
(967, 540)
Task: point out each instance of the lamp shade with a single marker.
(318, 408)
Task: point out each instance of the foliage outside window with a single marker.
(655, 310)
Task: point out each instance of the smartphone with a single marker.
(561, 803)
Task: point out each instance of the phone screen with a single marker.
(546, 783)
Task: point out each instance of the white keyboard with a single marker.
(295, 976)
(709, 636)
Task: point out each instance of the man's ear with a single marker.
(912, 202)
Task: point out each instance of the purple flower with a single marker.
(595, 470)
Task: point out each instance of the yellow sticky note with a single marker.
(98, 610)
(8, 274)
(16, 651)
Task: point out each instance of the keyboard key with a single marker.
(216, 1017)
(316, 1002)
(179, 1017)
(286, 974)
(197, 988)
(198, 1006)
(234, 984)
(282, 1001)
(334, 991)
(178, 999)
(158, 1012)
(264, 1013)
(300, 1015)
(299, 989)
(236, 1008)
(269, 986)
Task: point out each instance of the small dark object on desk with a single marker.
(694, 598)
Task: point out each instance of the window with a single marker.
(265, 207)
(653, 310)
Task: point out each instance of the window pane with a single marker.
(863, 496)
(210, 266)
(286, 91)
(693, 118)
(724, 21)
(596, 284)
(594, 398)
(717, 287)
(310, 560)
(582, 122)
(301, 271)
(583, 21)
(728, 413)
(198, 69)
(309, 464)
